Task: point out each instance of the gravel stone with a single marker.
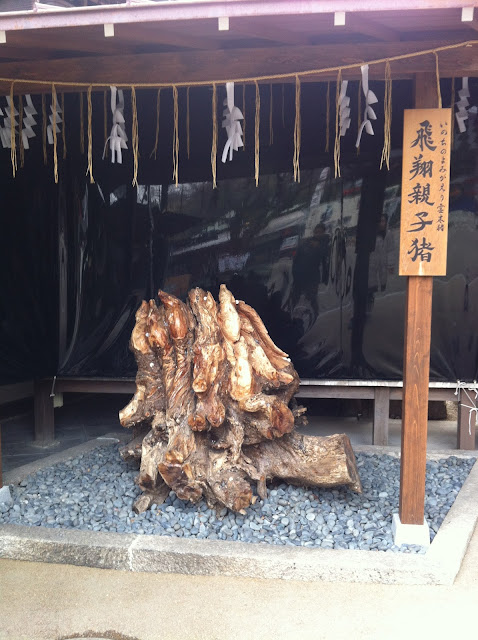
(96, 491)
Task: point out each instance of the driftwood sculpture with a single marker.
(213, 391)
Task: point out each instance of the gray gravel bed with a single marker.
(96, 491)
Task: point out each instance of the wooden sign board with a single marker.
(425, 192)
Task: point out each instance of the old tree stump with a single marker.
(213, 391)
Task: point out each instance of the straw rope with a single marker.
(90, 137)
(55, 141)
(82, 125)
(387, 122)
(105, 117)
(438, 80)
(359, 111)
(214, 136)
(243, 117)
(188, 140)
(298, 75)
(327, 119)
(297, 131)
(271, 127)
(43, 129)
(63, 128)
(283, 105)
(20, 134)
(175, 136)
(134, 136)
(257, 124)
(337, 130)
(13, 150)
(156, 140)
(452, 107)
(249, 79)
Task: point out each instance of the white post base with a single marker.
(410, 533)
(5, 495)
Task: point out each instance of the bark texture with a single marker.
(214, 392)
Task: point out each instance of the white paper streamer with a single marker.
(231, 122)
(369, 113)
(117, 137)
(28, 123)
(55, 119)
(28, 120)
(6, 130)
(463, 106)
(344, 108)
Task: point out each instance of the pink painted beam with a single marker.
(209, 9)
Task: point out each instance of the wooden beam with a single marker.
(359, 24)
(137, 36)
(20, 52)
(227, 65)
(206, 10)
(93, 42)
(266, 31)
(416, 366)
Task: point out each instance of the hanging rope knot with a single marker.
(327, 118)
(337, 127)
(89, 170)
(257, 124)
(297, 131)
(156, 140)
(468, 388)
(438, 79)
(134, 136)
(387, 123)
(175, 136)
(53, 129)
(232, 116)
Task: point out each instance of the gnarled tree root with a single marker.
(214, 391)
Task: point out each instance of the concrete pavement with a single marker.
(46, 601)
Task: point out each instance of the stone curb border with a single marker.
(156, 554)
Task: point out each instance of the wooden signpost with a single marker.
(425, 192)
(423, 243)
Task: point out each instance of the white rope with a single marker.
(468, 387)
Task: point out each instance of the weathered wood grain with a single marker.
(214, 391)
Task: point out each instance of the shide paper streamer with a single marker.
(232, 116)
(55, 119)
(17, 126)
(369, 113)
(463, 106)
(117, 137)
(5, 131)
(344, 108)
(28, 120)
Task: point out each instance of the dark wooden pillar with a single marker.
(415, 399)
(381, 412)
(416, 365)
(466, 424)
(1, 469)
(44, 414)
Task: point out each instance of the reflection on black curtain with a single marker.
(371, 208)
(77, 258)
